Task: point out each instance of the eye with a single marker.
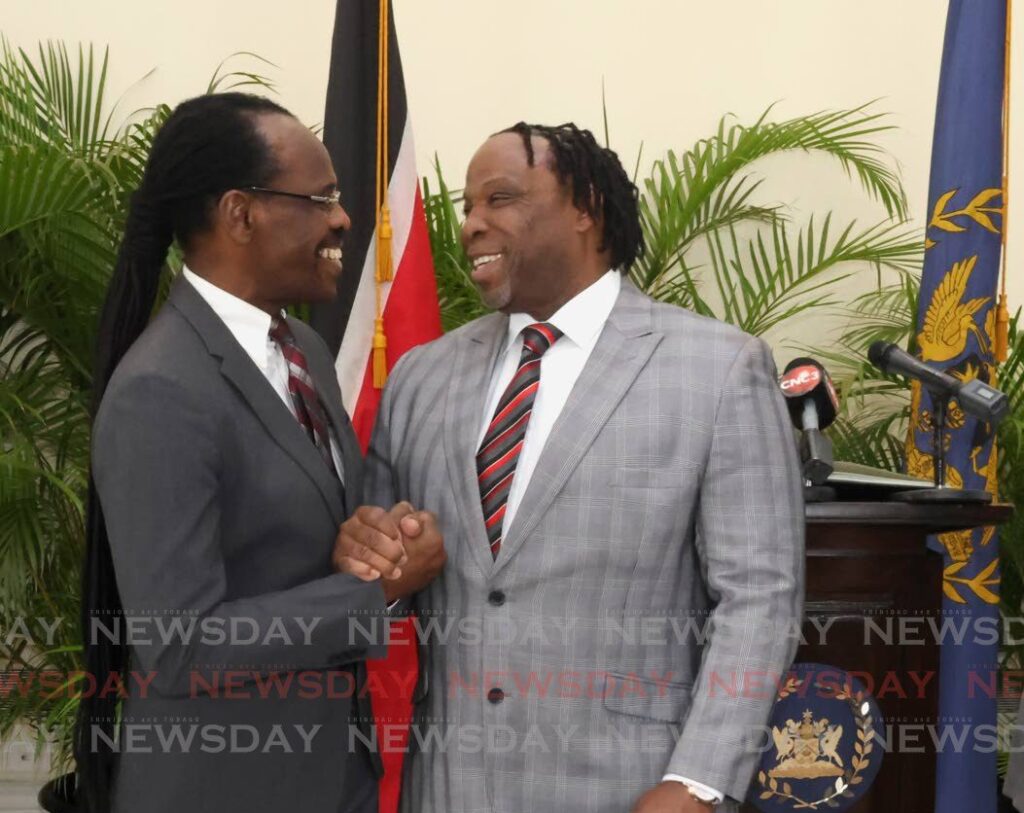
(498, 198)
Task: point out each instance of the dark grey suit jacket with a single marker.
(222, 516)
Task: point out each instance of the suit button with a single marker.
(495, 696)
(496, 597)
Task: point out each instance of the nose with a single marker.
(339, 219)
(472, 226)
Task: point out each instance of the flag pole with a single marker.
(383, 219)
(1002, 337)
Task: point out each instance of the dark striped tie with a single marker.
(308, 408)
(503, 441)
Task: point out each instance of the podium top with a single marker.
(932, 518)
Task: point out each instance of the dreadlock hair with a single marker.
(207, 146)
(600, 186)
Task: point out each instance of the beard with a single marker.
(497, 296)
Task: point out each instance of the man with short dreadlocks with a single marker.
(618, 490)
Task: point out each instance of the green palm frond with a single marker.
(38, 180)
(885, 313)
(683, 202)
(709, 187)
(874, 442)
(54, 98)
(127, 156)
(844, 135)
(771, 279)
(223, 80)
(57, 243)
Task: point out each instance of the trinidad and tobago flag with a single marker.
(387, 296)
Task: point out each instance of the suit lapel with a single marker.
(623, 348)
(474, 360)
(251, 384)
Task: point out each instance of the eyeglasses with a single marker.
(327, 201)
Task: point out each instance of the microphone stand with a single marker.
(940, 493)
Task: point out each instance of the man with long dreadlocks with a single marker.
(223, 465)
(618, 490)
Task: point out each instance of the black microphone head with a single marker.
(805, 379)
(878, 354)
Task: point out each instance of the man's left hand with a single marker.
(670, 797)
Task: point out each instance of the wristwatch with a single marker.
(705, 798)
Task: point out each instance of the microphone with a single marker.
(976, 397)
(810, 396)
(813, 405)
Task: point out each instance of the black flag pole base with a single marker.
(943, 496)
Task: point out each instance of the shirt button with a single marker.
(495, 696)
(496, 597)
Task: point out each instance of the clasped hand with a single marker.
(403, 547)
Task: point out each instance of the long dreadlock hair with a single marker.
(599, 184)
(207, 146)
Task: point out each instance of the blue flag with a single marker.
(956, 333)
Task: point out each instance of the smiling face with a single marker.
(294, 255)
(532, 250)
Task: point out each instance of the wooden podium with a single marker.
(869, 561)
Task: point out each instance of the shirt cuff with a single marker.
(393, 604)
(702, 790)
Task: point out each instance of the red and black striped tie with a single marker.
(503, 441)
(308, 408)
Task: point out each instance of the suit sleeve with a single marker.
(157, 469)
(750, 538)
(380, 484)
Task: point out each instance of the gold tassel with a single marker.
(384, 265)
(1002, 338)
(380, 359)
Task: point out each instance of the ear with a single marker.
(585, 221)
(235, 215)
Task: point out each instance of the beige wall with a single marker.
(671, 68)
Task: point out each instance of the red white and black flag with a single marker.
(387, 295)
(360, 134)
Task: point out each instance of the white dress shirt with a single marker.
(251, 328)
(581, 321)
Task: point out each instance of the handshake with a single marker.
(403, 547)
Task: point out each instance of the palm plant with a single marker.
(66, 173)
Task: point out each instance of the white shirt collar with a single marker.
(248, 324)
(582, 317)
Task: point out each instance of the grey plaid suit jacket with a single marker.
(647, 592)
